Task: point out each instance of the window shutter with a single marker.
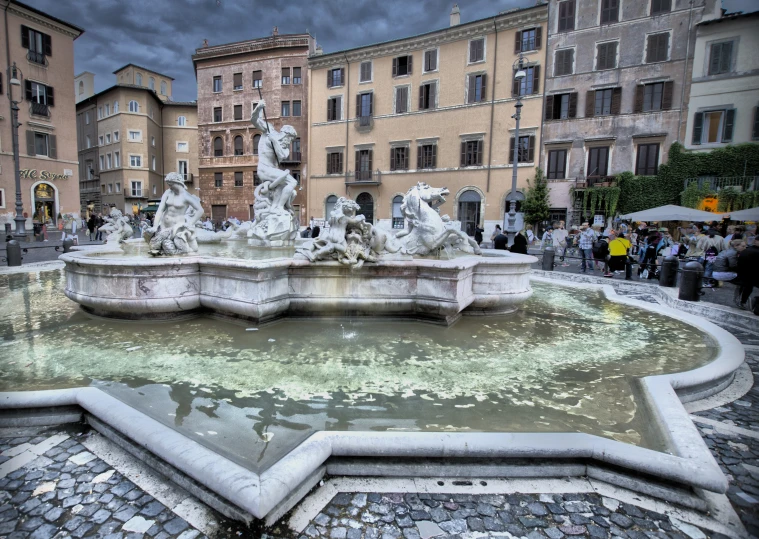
(511, 150)
(421, 97)
(392, 158)
(538, 37)
(531, 150)
(484, 87)
(616, 100)
(339, 163)
(410, 63)
(463, 152)
(28, 89)
(478, 157)
(590, 104)
(727, 50)
(370, 152)
(395, 67)
(666, 97)
(755, 132)
(358, 162)
(419, 157)
(358, 105)
(715, 60)
(471, 94)
(24, 36)
(640, 91)
(535, 80)
(329, 78)
(727, 130)
(371, 104)
(517, 42)
(342, 76)
(49, 95)
(338, 113)
(663, 46)
(330, 115)
(30, 143)
(47, 45)
(433, 89)
(698, 124)
(406, 152)
(572, 112)
(601, 60)
(569, 57)
(434, 156)
(548, 115)
(52, 147)
(650, 49)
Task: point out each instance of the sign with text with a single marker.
(34, 174)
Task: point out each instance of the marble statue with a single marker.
(275, 223)
(427, 231)
(117, 226)
(173, 231)
(204, 235)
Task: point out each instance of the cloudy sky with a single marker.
(163, 34)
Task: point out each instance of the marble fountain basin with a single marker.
(261, 285)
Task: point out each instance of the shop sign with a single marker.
(34, 174)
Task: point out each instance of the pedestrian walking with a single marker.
(91, 226)
(478, 231)
(529, 234)
(585, 240)
(495, 233)
(547, 239)
(98, 223)
(520, 243)
(560, 240)
(601, 253)
(619, 256)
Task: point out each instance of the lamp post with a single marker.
(518, 76)
(14, 79)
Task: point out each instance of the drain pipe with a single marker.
(492, 107)
(7, 45)
(685, 74)
(347, 122)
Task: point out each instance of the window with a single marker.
(116, 159)
(285, 75)
(295, 150)
(238, 179)
(335, 77)
(557, 164)
(563, 63)
(476, 88)
(364, 167)
(660, 6)
(237, 81)
(101, 141)
(334, 109)
(561, 106)
(598, 161)
(653, 97)
(134, 106)
(43, 144)
(399, 158)
(609, 11)
(364, 105)
(108, 160)
(335, 163)
(217, 114)
(426, 156)
(102, 162)
(238, 112)
(41, 97)
(720, 59)
(183, 147)
(477, 50)
(138, 79)
(163, 87)
(603, 102)
(365, 72)
(110, 188)
(89, 141)
(152, 162)
(100, 112)
(401, 99)
(427, 96)
(38, 44)
(526, 150)
(402, 66)
(181, 121)
(135, 161)
(118, 187)
(256, 180)
(81, 87)
(88, 168)
(151, 83)
(218, 147)
(398, 220)
(238, 145)
(657, 48)
(107, 109)
(107, 138)
(471, 153)
(183, 167)
(430, 60)
(713, 126)
(530, 84)
(647, 163)
(297, 79)
(87, 117)
(285, 108)
(115, 136)
(566, 15)
(606, 56)
(296, 108)
(528, 40)
(329, 205)
(218, 179)
(136, 188)
(115, 107)
(217, 84)
(258, 79)
(256, 142)
(134, 136)
(151, 112)
(152, 141)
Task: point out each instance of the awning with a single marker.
(751, 214)
(152, 208)
(672, 213)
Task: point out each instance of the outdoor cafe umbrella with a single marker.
(672, 213)
(751, 214)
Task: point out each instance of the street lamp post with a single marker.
(518, 76)
(14, 80)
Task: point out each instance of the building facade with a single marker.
(724, 102)
(434, 108)
(232, 78)
(617, 88)
(129, 138)
(42, 48)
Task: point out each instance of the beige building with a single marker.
(435, 108)
(129, 138)
(42, 48)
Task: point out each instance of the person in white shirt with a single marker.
(208, 224)
(560, 234)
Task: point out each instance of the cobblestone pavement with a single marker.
(44, 251)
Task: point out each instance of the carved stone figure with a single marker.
(275, 217)
(118, 227)
(173, 231)
(209, 236)
(427, 231)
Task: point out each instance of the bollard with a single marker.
(548, 256)
(668, 272)
(13, 252)
(690, 282)
(67, 244)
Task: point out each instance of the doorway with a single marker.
(470, 204)
(366, 204)
(44, 204)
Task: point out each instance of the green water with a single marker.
(568, 361)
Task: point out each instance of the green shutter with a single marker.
(727, 129)
(698, 125)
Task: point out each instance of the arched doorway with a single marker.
(366, 204)
(330, 205)
(470, 204)
(398, 220)
(45, 203)
(518, 196)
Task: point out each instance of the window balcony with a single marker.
(364, 177)
(36, 58)
(39, 109)
(294, 157)
(594, 181)
(364, 123)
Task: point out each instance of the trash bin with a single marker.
(548, 257)
(13, 252)
(690, 282)
(668, 272)
(67, 244)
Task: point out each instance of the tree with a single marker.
(535, 204)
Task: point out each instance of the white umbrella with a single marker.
(751, 214)
(672, 213)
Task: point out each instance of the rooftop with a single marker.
(144, 69)
(43, 14)
(250, 45)
(730, 17)
(144, 89)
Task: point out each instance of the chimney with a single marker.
(319, 51)
(455, 15)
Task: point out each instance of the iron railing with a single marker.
(36, 57)
(364, 122)
(39, 109)
(294, 157)
(593, 181)
(364, 177)
(715, 183)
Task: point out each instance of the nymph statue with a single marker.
(274, 215)
(117, 226)
(173, 230)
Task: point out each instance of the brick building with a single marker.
(229, 79)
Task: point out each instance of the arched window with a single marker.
(151, 83)
(256, 140)
(138, 79)
(469, 211)
(218, 147)
(134, 106)
(398, 221)
(238, 145)
(181, 121)
(163, 87)
(366, 205)
(329, 206)
(81, 87)
(115, 107)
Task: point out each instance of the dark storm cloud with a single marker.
(163, 34)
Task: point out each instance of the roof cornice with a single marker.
(21, 11)
(505, 21)
(255, 45)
